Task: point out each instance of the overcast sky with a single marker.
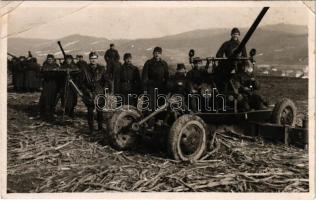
(51, 20)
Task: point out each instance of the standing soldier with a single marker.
(112, 59)
(93, 81)
(179, 84)
(228, 47)
(129, 81)
(32, 79)
(20, 73)
(48, 97)
(68, 94)
(155, 75)
(14, 65)
(226, 51)
(81, 62)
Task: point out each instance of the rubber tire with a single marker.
(174, 136)
(278, 108)
(132, 141)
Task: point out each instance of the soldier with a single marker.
(93, 81)
(129, 81)
(111, 54)
(20, 73)
(81, 62)
(224, 69)
(229, 46)
(112, 59)
(179, 84)
(69, 99)
(14, 65)
(48, 97)
(32, 79)
(248, 87)
(155, 75)
(196, 77)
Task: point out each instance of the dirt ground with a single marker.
(62, 157)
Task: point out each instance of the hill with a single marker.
(275, 44)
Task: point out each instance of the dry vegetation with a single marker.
(51, 157)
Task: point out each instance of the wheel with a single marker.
(284, 112)
(187, 138)
(121, 136)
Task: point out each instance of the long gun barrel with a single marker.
(250, 32)
(13, 56)
(61, 48)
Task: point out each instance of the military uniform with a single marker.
(179, 84)
(20, 74)
(111, 55)
(228, 47)
(32, 77)
(14, 64)
(248, 87)
(155, 75)
(129, 82)
(81, 64)
(48, 98)
(112, 59)
(93, 81)
(196, 78)
(224, 70)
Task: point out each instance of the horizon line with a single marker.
(115, 39)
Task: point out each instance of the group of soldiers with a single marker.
(25, 73)
(124, 79)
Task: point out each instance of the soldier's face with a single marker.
(235, 36)
(50, 61)
(157, 55)
(93, 61)
(128, 60)
(68, 61)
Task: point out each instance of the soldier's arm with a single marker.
(117, 55)
(221, 51)
(166, 75)
(145, 75)
(137, 80)
(106, 81)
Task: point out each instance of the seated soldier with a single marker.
(198, 79)
(248, 87)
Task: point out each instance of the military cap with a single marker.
(68, 56)
(127, 55)
(111, 45)
(50, 56)
(93, 55)
(180, 66)
(158, 49)
(235, 30)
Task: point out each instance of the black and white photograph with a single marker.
(142, 99)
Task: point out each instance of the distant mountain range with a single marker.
(276, 44)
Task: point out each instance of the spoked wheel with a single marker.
(187, 138)
(284, 112)
(121, 135)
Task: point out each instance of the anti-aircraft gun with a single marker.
(187, 133)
